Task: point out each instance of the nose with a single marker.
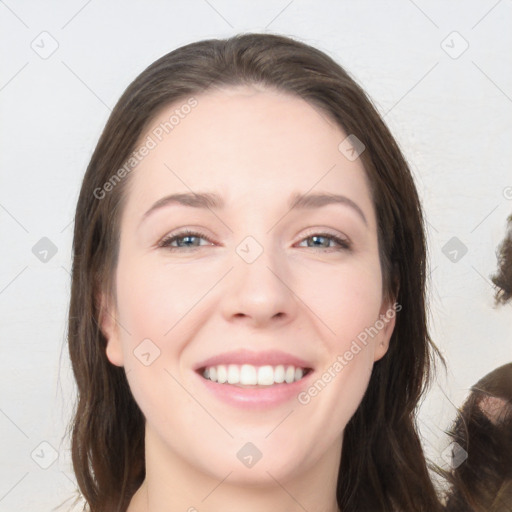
(260, 292)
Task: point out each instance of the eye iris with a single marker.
(185, 238)
(316, 239)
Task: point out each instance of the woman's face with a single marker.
(254, 275)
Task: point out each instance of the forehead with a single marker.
(249, 143)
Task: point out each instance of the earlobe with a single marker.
(387, 320)
(110, 330)
(380, 350)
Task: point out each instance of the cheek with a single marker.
(154, 299)
(347, 299)
(153, 302)
(160, 307)
(348, 304)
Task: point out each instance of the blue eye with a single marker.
(183, 238)
(190, 240)
(317, 242)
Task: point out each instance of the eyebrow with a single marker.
(210, 200)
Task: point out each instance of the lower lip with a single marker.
(256, 398)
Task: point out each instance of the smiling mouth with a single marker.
(251, 376)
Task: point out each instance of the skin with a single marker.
(254, 147)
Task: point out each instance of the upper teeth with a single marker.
(247, 374)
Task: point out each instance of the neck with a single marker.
(173, 484)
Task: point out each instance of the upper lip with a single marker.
(245, 356)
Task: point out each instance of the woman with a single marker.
(247, 325)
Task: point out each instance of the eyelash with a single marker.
(344, 245)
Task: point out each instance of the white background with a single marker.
(451, 116)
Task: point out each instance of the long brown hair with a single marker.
(383, 466)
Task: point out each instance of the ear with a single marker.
(110, 329)
(386, 325)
